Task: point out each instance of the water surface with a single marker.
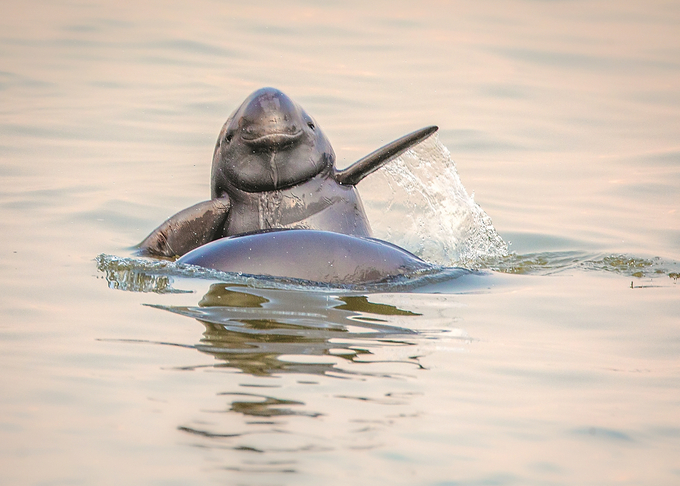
(559, 365)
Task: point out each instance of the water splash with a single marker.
(418, 201)
(137, 275)
(269, 209)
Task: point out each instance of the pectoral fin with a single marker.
(373, 161)
(188, 229)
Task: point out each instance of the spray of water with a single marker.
(418, 202)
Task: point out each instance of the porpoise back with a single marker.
(318, 256)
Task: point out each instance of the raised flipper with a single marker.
(188, 229)
(373, 161)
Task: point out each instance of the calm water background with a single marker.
(563, 118)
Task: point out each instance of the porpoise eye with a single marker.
(229, 136)
(311, 125)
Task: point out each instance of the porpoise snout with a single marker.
(270, 118)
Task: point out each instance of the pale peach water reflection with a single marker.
(563, 119)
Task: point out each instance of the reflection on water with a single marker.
(265, 406)
(284, 345)
(361, 304)
(262, 332)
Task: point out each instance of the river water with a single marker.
(558, 364)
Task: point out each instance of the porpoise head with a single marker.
(268, 143)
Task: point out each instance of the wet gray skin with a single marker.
(274, 168)
(337, 258)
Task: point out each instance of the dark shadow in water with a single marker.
(252, 329)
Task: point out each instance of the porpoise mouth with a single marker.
(271, 139)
